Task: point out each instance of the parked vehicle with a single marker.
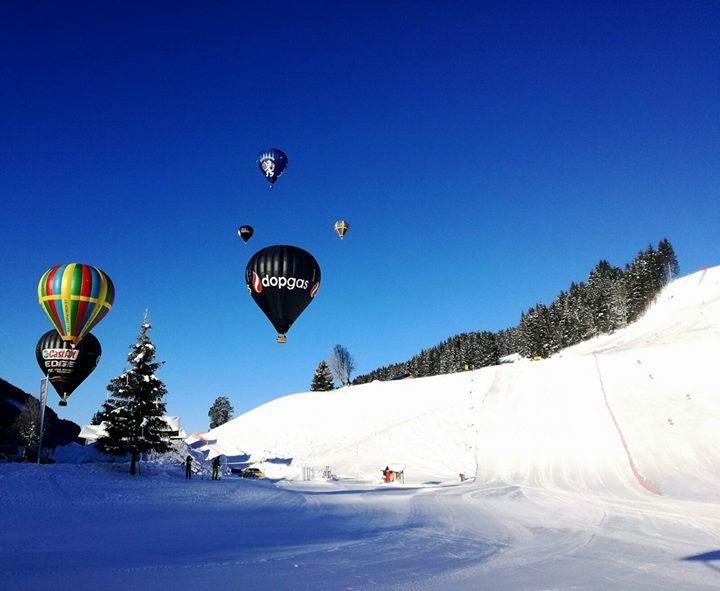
(253, 473)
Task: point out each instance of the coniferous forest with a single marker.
(610, 299)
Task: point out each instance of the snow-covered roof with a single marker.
(93, 432)
(173, 423)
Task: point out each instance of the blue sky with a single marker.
(485, 155)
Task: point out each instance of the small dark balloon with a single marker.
(66, 366)
(245, 232)
(282, 280)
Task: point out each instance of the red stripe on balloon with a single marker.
(85, 287)
(51, 303)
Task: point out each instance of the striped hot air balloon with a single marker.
(75, 298)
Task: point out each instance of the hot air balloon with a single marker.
(75, 298)
(272, 163)
(341, 227)
(66, 366)
(245, 232)
(282, 280)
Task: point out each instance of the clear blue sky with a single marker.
(484, 154)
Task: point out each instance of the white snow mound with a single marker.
(636, 412)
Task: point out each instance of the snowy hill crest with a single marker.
(633, 412)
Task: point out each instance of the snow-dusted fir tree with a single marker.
(322, 380)
(220, 412)
(27, 424)
(668, 260)
(133, 413)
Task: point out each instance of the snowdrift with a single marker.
(636, 412)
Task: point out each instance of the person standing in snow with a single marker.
(188, 467)
(216, 468)
(387, 474)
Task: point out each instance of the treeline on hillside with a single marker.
(16, 404)
(609, 299)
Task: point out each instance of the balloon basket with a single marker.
(281, 338)
(63, 403)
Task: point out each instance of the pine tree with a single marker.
(134, 412)
(220, 412)
(322, 380)
(668, 260)
(27, 424)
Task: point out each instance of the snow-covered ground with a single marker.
(598, 468)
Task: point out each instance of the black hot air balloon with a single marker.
(272, 164)
(67, 367)
(245, 232)
(282, 280)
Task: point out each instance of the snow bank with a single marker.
(629, 413)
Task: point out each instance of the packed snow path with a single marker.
(93, 527)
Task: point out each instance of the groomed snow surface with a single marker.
(596, 469)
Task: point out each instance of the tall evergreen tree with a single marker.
(322, 380)
(220, 412)
(668, 260)
(27, 424)
(134, 412)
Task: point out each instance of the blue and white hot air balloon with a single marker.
(272, 164)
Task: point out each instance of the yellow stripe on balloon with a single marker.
(41, 285)
(76, 298)
(66, 293)
(102, 300)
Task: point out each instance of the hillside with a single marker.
(628, 413)
(12, 401)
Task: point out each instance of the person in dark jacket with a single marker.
(216, 468)
(188, 467)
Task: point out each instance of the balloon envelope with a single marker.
(245, 232)
(272, 164)
(282, 280)
(341, 227)
(66, 366)
(75, 298)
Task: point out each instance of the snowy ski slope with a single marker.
(633, 413)
(597, 469)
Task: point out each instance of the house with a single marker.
(91, 433)
(403, 375)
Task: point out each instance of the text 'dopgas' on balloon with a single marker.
(75, 298)
(282, 281)
(66, 366)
